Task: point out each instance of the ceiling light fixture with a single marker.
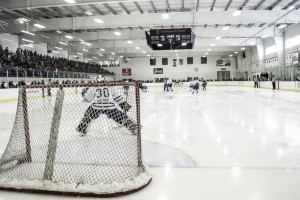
(79, 53)
(236, 52)
(129, 41)
(236, 13)
(143, 51)
(165, 16)
(137, 47)
(85, 50)
(159, 45)
(208, 49)
(148, 55)
(217, 38)
(70, 1)
(102, 49)
(117, 33)
(58, 48)
(225, 28)
(39, 26)
(27, 32)
(63, 43)
(282, 26)
(213, 45)
(89, 13)
(27, 40)
(230, 55)
(58, 32)
(183, 44)
(99, 21)
(206, 53)
(112, 53)
(69, 36)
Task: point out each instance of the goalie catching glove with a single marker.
(125, 106)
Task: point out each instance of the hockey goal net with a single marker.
(79, 139)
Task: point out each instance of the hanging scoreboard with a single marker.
(170, 39)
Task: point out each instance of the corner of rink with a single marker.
(77, 189)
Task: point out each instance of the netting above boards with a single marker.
(77, 139)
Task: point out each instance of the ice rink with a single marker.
(226, 143)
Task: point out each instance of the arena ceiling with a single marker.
(123, 23)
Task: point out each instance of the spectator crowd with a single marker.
(40, 64)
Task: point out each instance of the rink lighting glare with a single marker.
(113, 53)
(99, 21)
(165, 16)
(88, 44)
(70, 1)
(230, 55)
(212, 45)
(177, 54)
(148, 55)
(27, 40)
(55, 52)
(85, 50)
(121, 56)
(39, 26)
(243, 48)
(117, 33)
(225, 28)
(102, 49)
(137, 47)
(58, 48)
(63, 43)
(79, 53)
(69, 37)
(264, 36)
(206, 53)
(27, 32)
(143, 51)
(236, 52)
(291, 7)
(58, 32)
(208, 49)
(129, 42)
(95, 57)
(217, 38)
(236, 13)
(100, 54)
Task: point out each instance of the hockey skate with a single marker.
(133, 129)
(82, 132)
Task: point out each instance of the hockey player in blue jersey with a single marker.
(105, 101)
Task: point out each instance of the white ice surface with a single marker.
(244, 143)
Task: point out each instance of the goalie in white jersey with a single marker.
(105, 101)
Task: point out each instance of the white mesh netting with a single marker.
(77, 140)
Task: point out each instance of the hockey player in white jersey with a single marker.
(196, 85)
(169, 84)
(105, 101)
